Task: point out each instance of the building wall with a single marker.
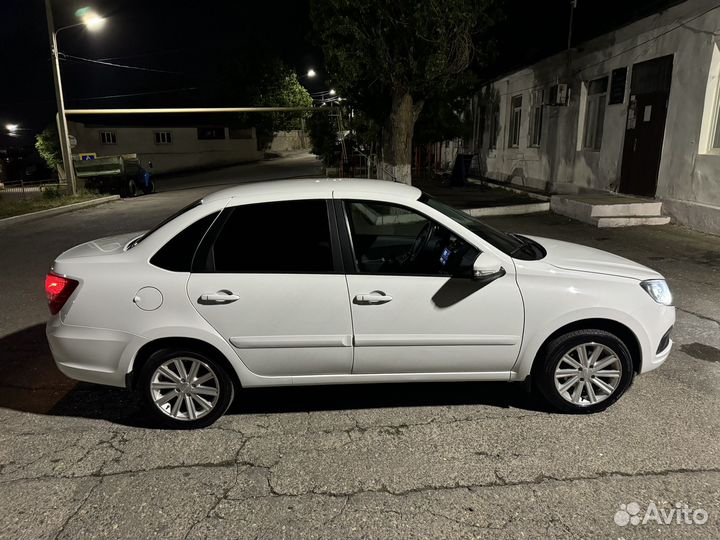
(186, 151)
(287, 141)
(689, 175)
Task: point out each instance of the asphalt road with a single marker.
(392, 461)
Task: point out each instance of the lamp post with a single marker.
(92, 22)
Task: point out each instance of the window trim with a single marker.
(199, 262)
(600, 97)
(112, 133)
(514, 133)
(349, 259)
(537, 110)
(158, 136)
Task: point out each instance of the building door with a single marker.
(645, 128)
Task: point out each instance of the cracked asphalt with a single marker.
(465, 460)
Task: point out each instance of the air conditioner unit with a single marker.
(559, 95)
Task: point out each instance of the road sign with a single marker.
(89, 156)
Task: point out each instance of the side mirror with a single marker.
(487, 266)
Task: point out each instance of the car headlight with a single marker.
(659, 291)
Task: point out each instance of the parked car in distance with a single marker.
(307, 282)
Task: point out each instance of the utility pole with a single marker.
(61, 118)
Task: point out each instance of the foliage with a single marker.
(52, 192)
(391, 58)
(262, 81)
(47, 144)
(324, 136)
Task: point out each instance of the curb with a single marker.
(22, 218)
(512, 210)
(532, 194)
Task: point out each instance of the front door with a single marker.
(267, 281)
(415, 308)
(645, 128)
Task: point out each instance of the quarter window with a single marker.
(391, 239)
(595, 113)
(178, 253)
(277, 237)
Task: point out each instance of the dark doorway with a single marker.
(645, 128)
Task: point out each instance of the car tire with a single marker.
(132, 189)
(575, 390)
(172, 398)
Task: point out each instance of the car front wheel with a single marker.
(184, 389)
(584, 371)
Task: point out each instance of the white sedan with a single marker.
(348, 281)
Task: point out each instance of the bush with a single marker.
(52, 192)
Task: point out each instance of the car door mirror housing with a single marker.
(487, 266)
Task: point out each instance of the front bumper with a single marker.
(88, 354)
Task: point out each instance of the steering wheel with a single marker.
(422, 241)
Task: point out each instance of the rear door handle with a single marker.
(219, 297)
(375, 297)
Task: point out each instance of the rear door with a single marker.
(421, 312)
(267, 278)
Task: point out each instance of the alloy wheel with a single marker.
(185, 388)
(588, 374)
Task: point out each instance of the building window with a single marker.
(241, 133)
(536, 117)
(494, 124)
(108, 137)
(209, 133)
(595, 113)
(515, 119)
(163, 137)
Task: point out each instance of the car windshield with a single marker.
(505, 242)
(163, 223)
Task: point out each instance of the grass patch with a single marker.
(12, 205)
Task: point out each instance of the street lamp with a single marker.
(332, 92)
(91, 21)
(311, 73)
(12, 128)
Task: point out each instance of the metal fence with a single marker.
(29, 189)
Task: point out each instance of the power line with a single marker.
(111, 64)
(114, 96)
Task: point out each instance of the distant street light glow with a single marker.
(311, 73)
(12, 128)
(332, 91)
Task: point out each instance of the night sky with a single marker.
(186, 40)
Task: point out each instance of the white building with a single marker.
(163, 149)
(641, 116)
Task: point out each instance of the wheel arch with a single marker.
(190, 343)
(623, 332)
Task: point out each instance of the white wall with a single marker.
(689, 173)
(287, 141)
(185, 152)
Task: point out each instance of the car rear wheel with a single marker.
(584, 371)
(183, 389)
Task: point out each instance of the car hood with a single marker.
(571, 256)
(102, 246)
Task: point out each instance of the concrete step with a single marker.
(609, 210)
(630, 221)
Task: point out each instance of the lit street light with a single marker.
(12, 128)
(91, 21)
(311, 73)
(332, 92)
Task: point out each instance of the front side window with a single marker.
(275, 237)
(515, 119)
(391, 239)
(595, 113)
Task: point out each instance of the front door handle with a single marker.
(375, 297)
(220, 297)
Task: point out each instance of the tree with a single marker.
(263, 81)
(389, 58)
(47, 143)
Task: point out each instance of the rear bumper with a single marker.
(88, 354)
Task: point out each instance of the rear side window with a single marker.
(276, 237)
(177, 254)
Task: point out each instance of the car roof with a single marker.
(320, 187)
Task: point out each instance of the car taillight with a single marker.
(58, 289)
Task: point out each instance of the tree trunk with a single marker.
(397, 139)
